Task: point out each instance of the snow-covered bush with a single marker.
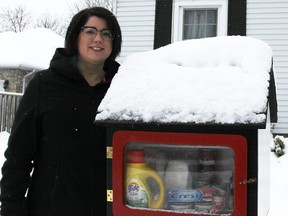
(279, 145)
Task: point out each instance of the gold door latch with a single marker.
(109, 152)
(109, 195)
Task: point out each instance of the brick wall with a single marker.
(15, 78)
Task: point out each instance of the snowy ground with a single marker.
(279, 179)
(279, 184)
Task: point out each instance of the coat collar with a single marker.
(66, 66)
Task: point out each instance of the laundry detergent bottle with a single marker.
(144, 187)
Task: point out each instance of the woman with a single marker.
(53, 133)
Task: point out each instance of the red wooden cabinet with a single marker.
(219, 191)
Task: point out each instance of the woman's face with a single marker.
(94, 49)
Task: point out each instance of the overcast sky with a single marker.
(40, 6)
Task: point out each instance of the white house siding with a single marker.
(137, 21)
(268, 20)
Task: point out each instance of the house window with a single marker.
(199, 19)
(199, 23)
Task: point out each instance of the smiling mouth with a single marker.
(97, 48)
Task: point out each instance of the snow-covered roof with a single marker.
(222, 80)
(31, 49)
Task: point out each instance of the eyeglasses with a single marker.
(91, 32)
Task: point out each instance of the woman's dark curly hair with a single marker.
(79, 21)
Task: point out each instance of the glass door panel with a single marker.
(179, 173)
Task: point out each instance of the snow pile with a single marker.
(211, 80)
(31, 49)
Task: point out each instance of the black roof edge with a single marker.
(157, 125)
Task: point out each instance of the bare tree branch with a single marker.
(81, 4)
(55, 24)
(16, 20)
(19, 18)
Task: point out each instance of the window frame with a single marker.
(181, 5)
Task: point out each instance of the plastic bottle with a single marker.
(139, 193)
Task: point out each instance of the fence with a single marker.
(9, 103)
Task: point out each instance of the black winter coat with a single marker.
(54, 136)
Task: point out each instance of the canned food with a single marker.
(207, 156)
(207, 163)
(204, 207)
(218, 203)
(181, 206)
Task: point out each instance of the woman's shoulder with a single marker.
(42, 76)
(111, 68)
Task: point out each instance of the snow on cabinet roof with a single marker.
(31, 49)
(222, 80)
